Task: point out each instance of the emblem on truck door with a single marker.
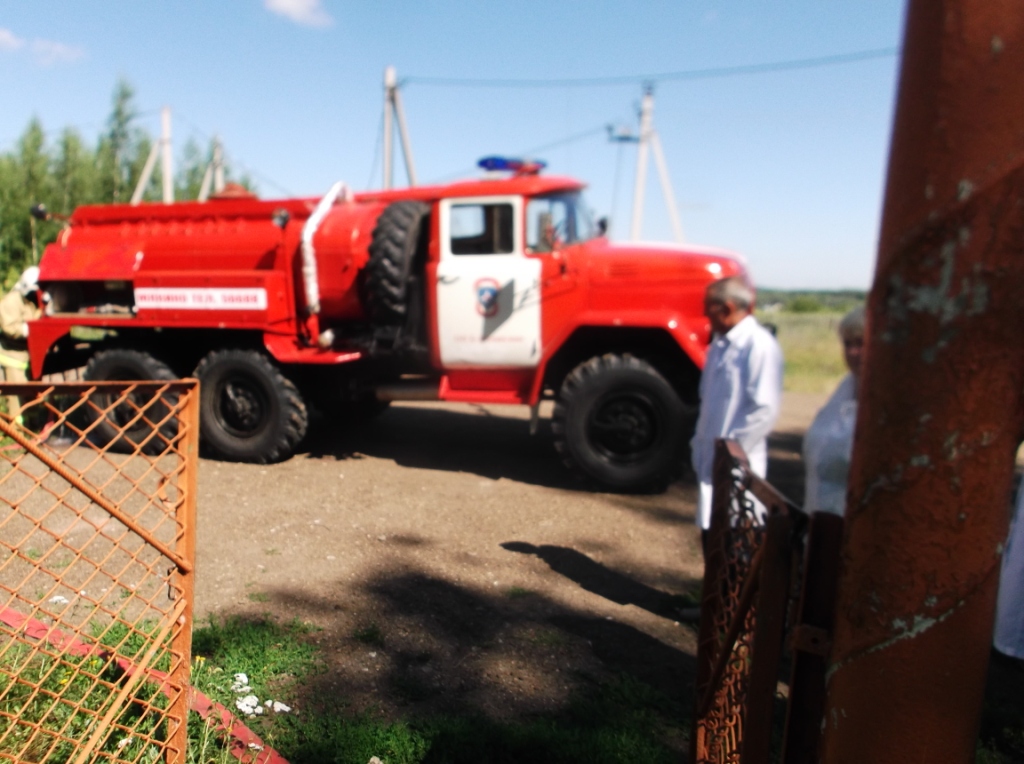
(487, 297)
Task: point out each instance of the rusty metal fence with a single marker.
(97, 529)
(769, 574)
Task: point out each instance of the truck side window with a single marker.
(481, 229)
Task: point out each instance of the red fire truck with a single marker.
(497, 290)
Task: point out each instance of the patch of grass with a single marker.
(623, 720)
(50, 701)
(259, 597)
(548, 638)
(810, 345)
(259, 648)
(369, 635)
(518, 592)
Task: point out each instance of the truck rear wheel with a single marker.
(248, 410)
(392, 251)
(116, 429)
(620, 423)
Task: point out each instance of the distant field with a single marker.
(814, 359)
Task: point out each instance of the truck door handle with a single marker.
(446, 280)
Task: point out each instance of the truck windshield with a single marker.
(556, 220)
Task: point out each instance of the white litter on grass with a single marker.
(241, 684)
(125, 741)
(59, 600)
(277, 706)
(249, 705)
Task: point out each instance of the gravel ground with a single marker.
(452, 563)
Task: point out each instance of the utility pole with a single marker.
(649, 140)
(393, 112)
(166, 167)
(162, 148)
(214, 172)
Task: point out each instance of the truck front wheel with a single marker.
(619, 422)
(248, 410)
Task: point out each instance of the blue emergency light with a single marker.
(515, 166)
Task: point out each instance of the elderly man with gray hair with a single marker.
(741, 387)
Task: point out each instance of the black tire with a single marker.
(396, 238)
(248, 410)
(620, 423)
(122, 364)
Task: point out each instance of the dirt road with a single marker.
(451, 562)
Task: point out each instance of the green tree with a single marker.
(191, 170)
(74, 173)
(118, 153)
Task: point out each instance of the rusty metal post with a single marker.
(811, 638)
(940, 408)
(770, 627)
(184, 583)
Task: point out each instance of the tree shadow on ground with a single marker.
(425, 646)
(452, 441)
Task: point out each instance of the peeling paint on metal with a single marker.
(921, 460)
(964, 189)
(949, 446)
(881, 483)
(932, 299)
(918, 626)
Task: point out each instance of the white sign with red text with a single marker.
(200, 298)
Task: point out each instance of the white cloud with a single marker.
(45, 52)
(10, 42)
(306, 12)
(49, 52)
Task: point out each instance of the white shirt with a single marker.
(740, 392)
(1009, 633)
(828, 446)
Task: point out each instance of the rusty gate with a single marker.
(97, 530)
(769, 573)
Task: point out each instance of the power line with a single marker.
(533, 151)
(686, 74)
(231, 160)
(376, 150)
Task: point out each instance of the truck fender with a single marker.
(690, 338)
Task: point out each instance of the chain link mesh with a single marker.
(733, 563)
(97, 507)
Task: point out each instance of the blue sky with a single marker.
(786, 168)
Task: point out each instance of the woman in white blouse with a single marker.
(828, 443)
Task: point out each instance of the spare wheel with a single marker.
(396, 239)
